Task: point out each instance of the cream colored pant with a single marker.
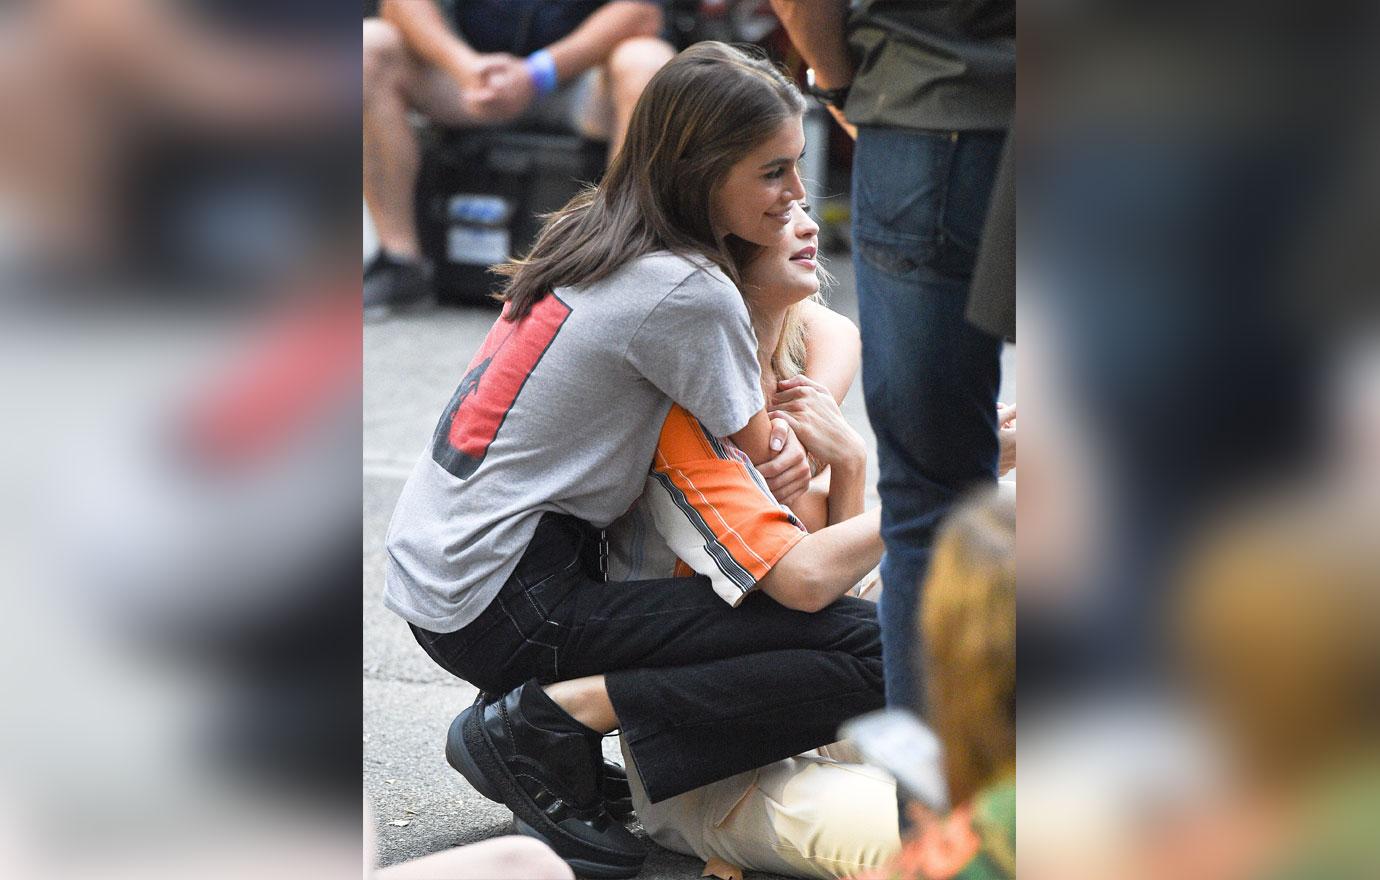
(808, 816)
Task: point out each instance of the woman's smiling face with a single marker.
(755, 199)
(786, 271)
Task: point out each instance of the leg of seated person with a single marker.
(801, 817)
(390, 147)
(825, 819)
(630, 67)
(395, 83)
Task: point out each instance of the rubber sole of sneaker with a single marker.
(478, 761)
(458, 758)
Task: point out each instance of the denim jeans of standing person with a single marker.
(702, 690)
(930, 378)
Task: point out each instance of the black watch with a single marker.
(831, 97)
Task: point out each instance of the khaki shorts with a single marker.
(813, 815)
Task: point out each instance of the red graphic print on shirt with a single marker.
(491, 385)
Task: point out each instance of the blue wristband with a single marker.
(542, 68)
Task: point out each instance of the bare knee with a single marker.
(634, 61)
(385, 54)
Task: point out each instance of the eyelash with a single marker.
(807, 208)
(777, 174)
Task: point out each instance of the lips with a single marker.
(783, 218)
(805, 253)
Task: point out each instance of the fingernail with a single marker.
(776, 445)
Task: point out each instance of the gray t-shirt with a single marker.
(561, 412)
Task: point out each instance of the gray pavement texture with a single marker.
(421, 805)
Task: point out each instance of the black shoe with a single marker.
(394, 283)
(616, 791)
(525, 752)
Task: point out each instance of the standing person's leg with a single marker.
(930, 378)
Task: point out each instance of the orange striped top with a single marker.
(714, 510)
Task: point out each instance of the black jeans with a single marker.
(702, 691)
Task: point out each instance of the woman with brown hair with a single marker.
(627, 304)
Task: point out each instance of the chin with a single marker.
(804, 291)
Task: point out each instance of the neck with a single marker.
(767, 323)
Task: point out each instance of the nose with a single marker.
(795, 187)
(805, 226)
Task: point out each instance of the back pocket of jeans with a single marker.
(972, 172)
(892, 259)
(899, 182)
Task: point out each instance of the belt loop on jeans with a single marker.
(604, 554)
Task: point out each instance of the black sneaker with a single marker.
(392, 282)
(616, 791)
(527, 753)
(613, 785)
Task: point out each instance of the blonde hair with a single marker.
(967, 625)
(788, 359)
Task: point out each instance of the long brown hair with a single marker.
(701, 113)
(967, 625)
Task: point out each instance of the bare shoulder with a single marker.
(833, 348)
(829, 325)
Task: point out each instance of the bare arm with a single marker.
(755, 438)
(825, 565)
(591, 42)
(833, 352)
(817, 29)
(847, 487)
